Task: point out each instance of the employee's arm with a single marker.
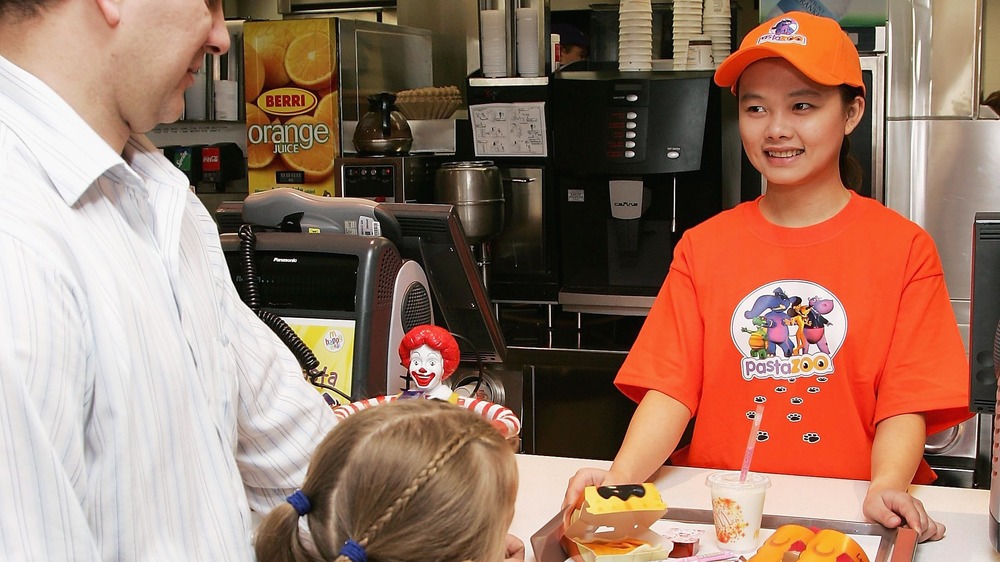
(656, 427)
(896, 454)
(653, 433)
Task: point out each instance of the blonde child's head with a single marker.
(408, 480)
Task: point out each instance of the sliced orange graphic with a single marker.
(253, 73)
(309, 60)
(271, 43)
(259, 154)
(325, 110)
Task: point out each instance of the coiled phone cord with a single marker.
(251, 296)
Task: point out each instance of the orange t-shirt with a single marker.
(834, 327)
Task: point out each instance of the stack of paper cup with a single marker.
(227, 105)
(717, 24)
(687, 24)
(493, 30)
(699, 55)
(527, 42)
(635, 35)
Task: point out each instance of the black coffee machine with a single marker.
(639, 158)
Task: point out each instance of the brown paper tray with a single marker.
(895, 545)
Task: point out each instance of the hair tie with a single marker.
(353, 551)
(300, 502)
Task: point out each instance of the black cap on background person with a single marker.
(573, 44)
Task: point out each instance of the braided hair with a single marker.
(409, 480)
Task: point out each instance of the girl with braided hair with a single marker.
(411, 480)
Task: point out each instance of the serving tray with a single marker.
(894, 545)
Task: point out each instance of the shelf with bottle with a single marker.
(200, 132)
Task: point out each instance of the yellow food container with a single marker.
(611, 524)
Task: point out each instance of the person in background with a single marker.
(853, 347)
(146, 412)
(573, 46)
(411, 480)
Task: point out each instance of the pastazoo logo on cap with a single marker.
(783, 31)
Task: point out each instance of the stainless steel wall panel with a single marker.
(378, 57)
(942, 81)
(455, 29)
(939, 173)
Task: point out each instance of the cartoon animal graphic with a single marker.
(778, 304)
(758, 338)
(785, 27)
(816, 323)
(797, 317)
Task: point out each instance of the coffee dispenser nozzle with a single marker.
(629, 200)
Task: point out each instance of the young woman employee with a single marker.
(823, 305)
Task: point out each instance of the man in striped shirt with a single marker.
(145, 412)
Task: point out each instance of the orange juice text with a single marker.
(292, 112)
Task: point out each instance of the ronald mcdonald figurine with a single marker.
(432, 355)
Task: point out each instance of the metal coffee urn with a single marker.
(476, 190)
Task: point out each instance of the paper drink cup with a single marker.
(737, 508)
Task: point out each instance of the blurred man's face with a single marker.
(572, 53)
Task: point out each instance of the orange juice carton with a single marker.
(292, 114)
(611, 524)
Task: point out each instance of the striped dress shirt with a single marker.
(145, 412)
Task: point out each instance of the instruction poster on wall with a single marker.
(509, 129)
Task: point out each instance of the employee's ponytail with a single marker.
(851, 174)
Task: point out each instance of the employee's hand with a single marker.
(513, 549)
(583, 478)
(893, 508)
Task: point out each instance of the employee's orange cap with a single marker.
(815, 45)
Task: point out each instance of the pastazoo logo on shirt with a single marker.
(788, 329)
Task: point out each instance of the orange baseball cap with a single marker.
(815, 45)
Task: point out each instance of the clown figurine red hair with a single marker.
(431, 355)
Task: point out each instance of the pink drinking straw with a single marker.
(751, 443)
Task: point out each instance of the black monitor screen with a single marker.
(320, 282)
(432, 236)
(984, 315)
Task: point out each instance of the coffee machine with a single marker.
(640, 159)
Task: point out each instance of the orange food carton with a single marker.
(786, 538)
(833, 546)
(794, 542)
(292, 115)
(611, 524)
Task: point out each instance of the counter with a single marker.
(965, 512)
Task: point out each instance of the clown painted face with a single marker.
(426, 367)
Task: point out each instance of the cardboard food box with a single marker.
(612, 525)
(292, 113)
(800, 544)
